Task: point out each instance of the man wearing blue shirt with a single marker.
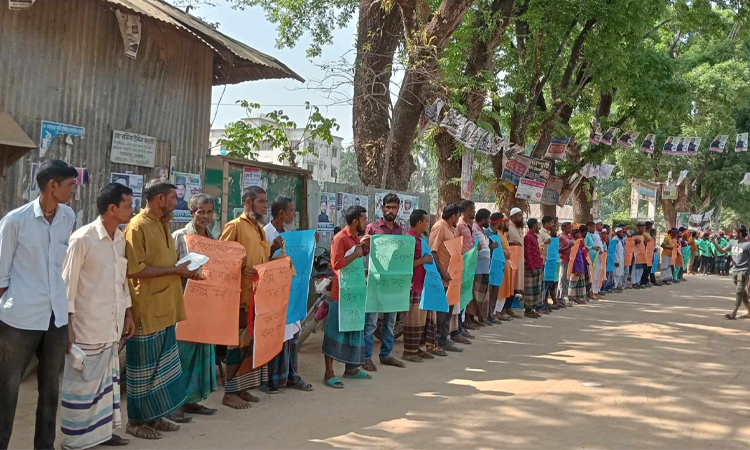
(34, 305)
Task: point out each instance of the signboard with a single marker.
(552, 190)
(530, 190)
(50, 130)
(556, 148)
(133, 149)
(683, 220)
(251, 177)
(188, 184)
(669, 193)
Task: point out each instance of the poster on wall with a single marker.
(683, 220)
(741, 145)
(408, 205)
(134, 182)
(188, 184)
(130, 29)
(327, 212)
(648, 144)
(50, 130)
(133, 149)
(719, 142)
(251, 177)
(17, 5)
(344, 201)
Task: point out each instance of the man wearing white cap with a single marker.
(621, 278)
(515, 239)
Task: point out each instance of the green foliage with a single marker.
(244, 138)
(348, 172)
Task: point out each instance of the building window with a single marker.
(311, 167)
(333, 152)
(265, 146)
(334, 174)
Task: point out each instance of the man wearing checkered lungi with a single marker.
(533, 276)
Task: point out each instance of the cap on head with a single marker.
(515, 211)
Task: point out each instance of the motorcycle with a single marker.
(320, 289)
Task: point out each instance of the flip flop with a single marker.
(360, 375)
(143, 432)
(302, 385)
(165, 425)
(116, 441)
(334, 382)
(198, 409)
(730, 317)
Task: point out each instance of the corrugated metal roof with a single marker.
(235, 61)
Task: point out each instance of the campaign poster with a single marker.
(669, 146)
(648, 145)
(609, 136)
(693, 145)
(741, 145)
(719, 142)
(251, 177)
(552, 191)
(134, 182)
(529, 189)
(408, 205)
(539, 170)
(628, 139)
(596, 137)
(681, 148)
(344, 201)
(188, 184)
(556, 147)
(515, 169)
(327, 213)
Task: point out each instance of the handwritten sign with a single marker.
(552, 264)
(433, 294)
(133, 149)
(455, 269)
(352, 296)
(497, 263)
(629, 249)
(300, 246)
(467, 278)
(213, 305)
(271, 301)
(650, 250)
(391, 269)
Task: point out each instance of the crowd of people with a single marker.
(80, 293)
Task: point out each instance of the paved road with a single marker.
(673, 372)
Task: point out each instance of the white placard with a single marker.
(133, 149)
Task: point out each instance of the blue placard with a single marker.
(497, 264)
(433, 294)
(612, 254)
(300, 246)
(552, 264)
(655, 264)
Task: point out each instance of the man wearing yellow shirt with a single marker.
(248, 231)
(153, 361)
(670, 240)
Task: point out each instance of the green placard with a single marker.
(352, 296)
(391, 270)
(467, 281)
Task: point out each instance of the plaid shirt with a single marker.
(532, 254)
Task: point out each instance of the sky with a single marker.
(251, 27)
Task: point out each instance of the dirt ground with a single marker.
(672, 370)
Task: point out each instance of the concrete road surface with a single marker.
(673, 374)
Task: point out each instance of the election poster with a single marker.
(529, 189)
(609, 136)
(556, 147)
(408, 205)
(596, 137)
(741, 145)
(719, 142)
(627, 139)
(344, 201)
(188, 184)
(134, 182)
(327, 213)
(648, 145)
(669, 146)
(251, 177)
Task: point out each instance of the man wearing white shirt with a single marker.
(282, 370)
(33, 303)
(95, 274)
(479, 306)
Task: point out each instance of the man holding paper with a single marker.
(420, 326)
(282, 370)
(248, 232)
(95, 275)
(443, 231)
(347, 347)
(198, 360)
(154, 377)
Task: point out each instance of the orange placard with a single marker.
(650, 253)
(213, 305)
(271, 301)
(640, 251)
(676, 255)
(455, 269)
(516, 257)
(629, 249)
(603, 268)
(506, 288)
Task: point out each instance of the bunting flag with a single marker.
(609, 136)
(628, 139)
(648, 144)
(719, 142)
(596, 137)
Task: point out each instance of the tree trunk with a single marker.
(448, 170)
(378, 35)
(670, 208)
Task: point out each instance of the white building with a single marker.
(324, 166)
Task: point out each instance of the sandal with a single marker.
(425, 355)
(391, 361)
(179, 417)
(302, 385)
(360, 375)
(412, 357)
(165, 425)
(437, 352)
(143, 431)
(195, 408)
(370, 366)
(334, 382)
(531, 314)
(116, 441)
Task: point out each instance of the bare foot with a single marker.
(234, 401)
(248, 397)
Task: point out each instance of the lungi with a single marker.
(596, 285)
(154, 376)
(240, 374)
(577, 289)
(91, 398)
(345, 346)
(420, 326)
(282, 369)
(666, 268)
(564, 282)
(533, 288)
(198, 363)
(479, 306)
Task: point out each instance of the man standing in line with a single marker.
(516, 241)
(667, 246)
(154, 376)
(460, 332)
(544, 239)
(648, 278)
(386, 225)
(95, 274)
(198, 361)
(578, 265)
(479, 307)
(694, 256)
(347, 347)
(566, 243)
(420, 327)
(740, 268)
(707, 255)
(282, 369)
(248, 232)
(620, 276)
(639, 254)
(505, 290)
(33, 304)
(533, 278)
(444, 230)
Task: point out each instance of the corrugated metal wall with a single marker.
(63, 61)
